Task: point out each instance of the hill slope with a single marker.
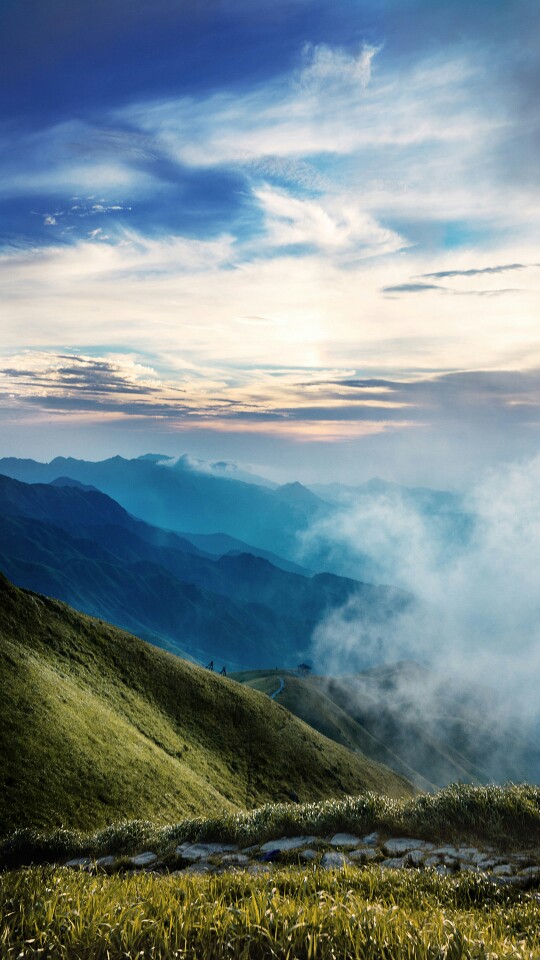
(419, 723)
(96, 725)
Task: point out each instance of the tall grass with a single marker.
(505, 816)
(294, 915)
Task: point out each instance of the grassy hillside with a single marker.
(96, 725)
(414, 721)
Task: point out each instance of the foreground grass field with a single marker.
(296, 913)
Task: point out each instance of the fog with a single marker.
(473, 566)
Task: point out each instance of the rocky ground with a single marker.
(518, 868)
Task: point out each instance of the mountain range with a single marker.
(77, 544)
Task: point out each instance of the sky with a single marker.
(301, 234)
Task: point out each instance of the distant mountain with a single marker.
(423, 725)
(178, 497)
(220, 544)
(82, 547)
(97, 726)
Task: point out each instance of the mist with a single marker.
(472, 566)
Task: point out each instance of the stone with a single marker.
(287, 843)
(532, 872)
(432, 861)
(447, 851)
(202, 866)
(467, 853)
(393, 863)
(334, 860)
(345, 840)
(201, 851)
(235, 858)
(487, 863)
(364, 856)
(443, 870)
(144, 859)
(371, 840)
(503, 870)
(400, 845)
(256, 868)
(105, 863)
(308, 855)
(79, 863)
(416, 857)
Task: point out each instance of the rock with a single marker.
(287, 843)
(400, 845)
(447, 851)
(468, 853)
(416, 857)
(143, 859)
(258, 868)
(364, 856)
(345, 840)
(487, 863)
(432, 861)
(106, 863)
(503, 870)
(371, 840)
(79, 863)
(443, 870)
(393, 863)
(531, 872)
(235, 858)
(334, 860)
(201, 851)
(202, 866)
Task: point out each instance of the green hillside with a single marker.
(418, 723)
(97, 725)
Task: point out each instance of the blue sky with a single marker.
(271, 231)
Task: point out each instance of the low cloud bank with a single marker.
(473, 566)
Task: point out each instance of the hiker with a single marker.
(210, 666)
(223, 672)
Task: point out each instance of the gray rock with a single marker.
(531, 872)
(503, 870)
(393, 863)
(467, 853)
(345, 840)
(235, 858)
(364, 856)
(144, 859)
(371, 840)
(201, 851)
(334, 860)
(259, 868)
(287, 843)
(443, 870)
(400, 845)
(447, 851)
(487, 863)
(416, 857)
(79, 863)
(308, 855)
(432, 861)
(202, 866)
(105, 863)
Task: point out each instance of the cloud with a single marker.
(412, 288)
(474, 566)
(476, 271)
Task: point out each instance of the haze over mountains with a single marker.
(79, 545)
(211, 584)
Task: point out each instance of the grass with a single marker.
(294, 915)
(97, 726)
(507, 817)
